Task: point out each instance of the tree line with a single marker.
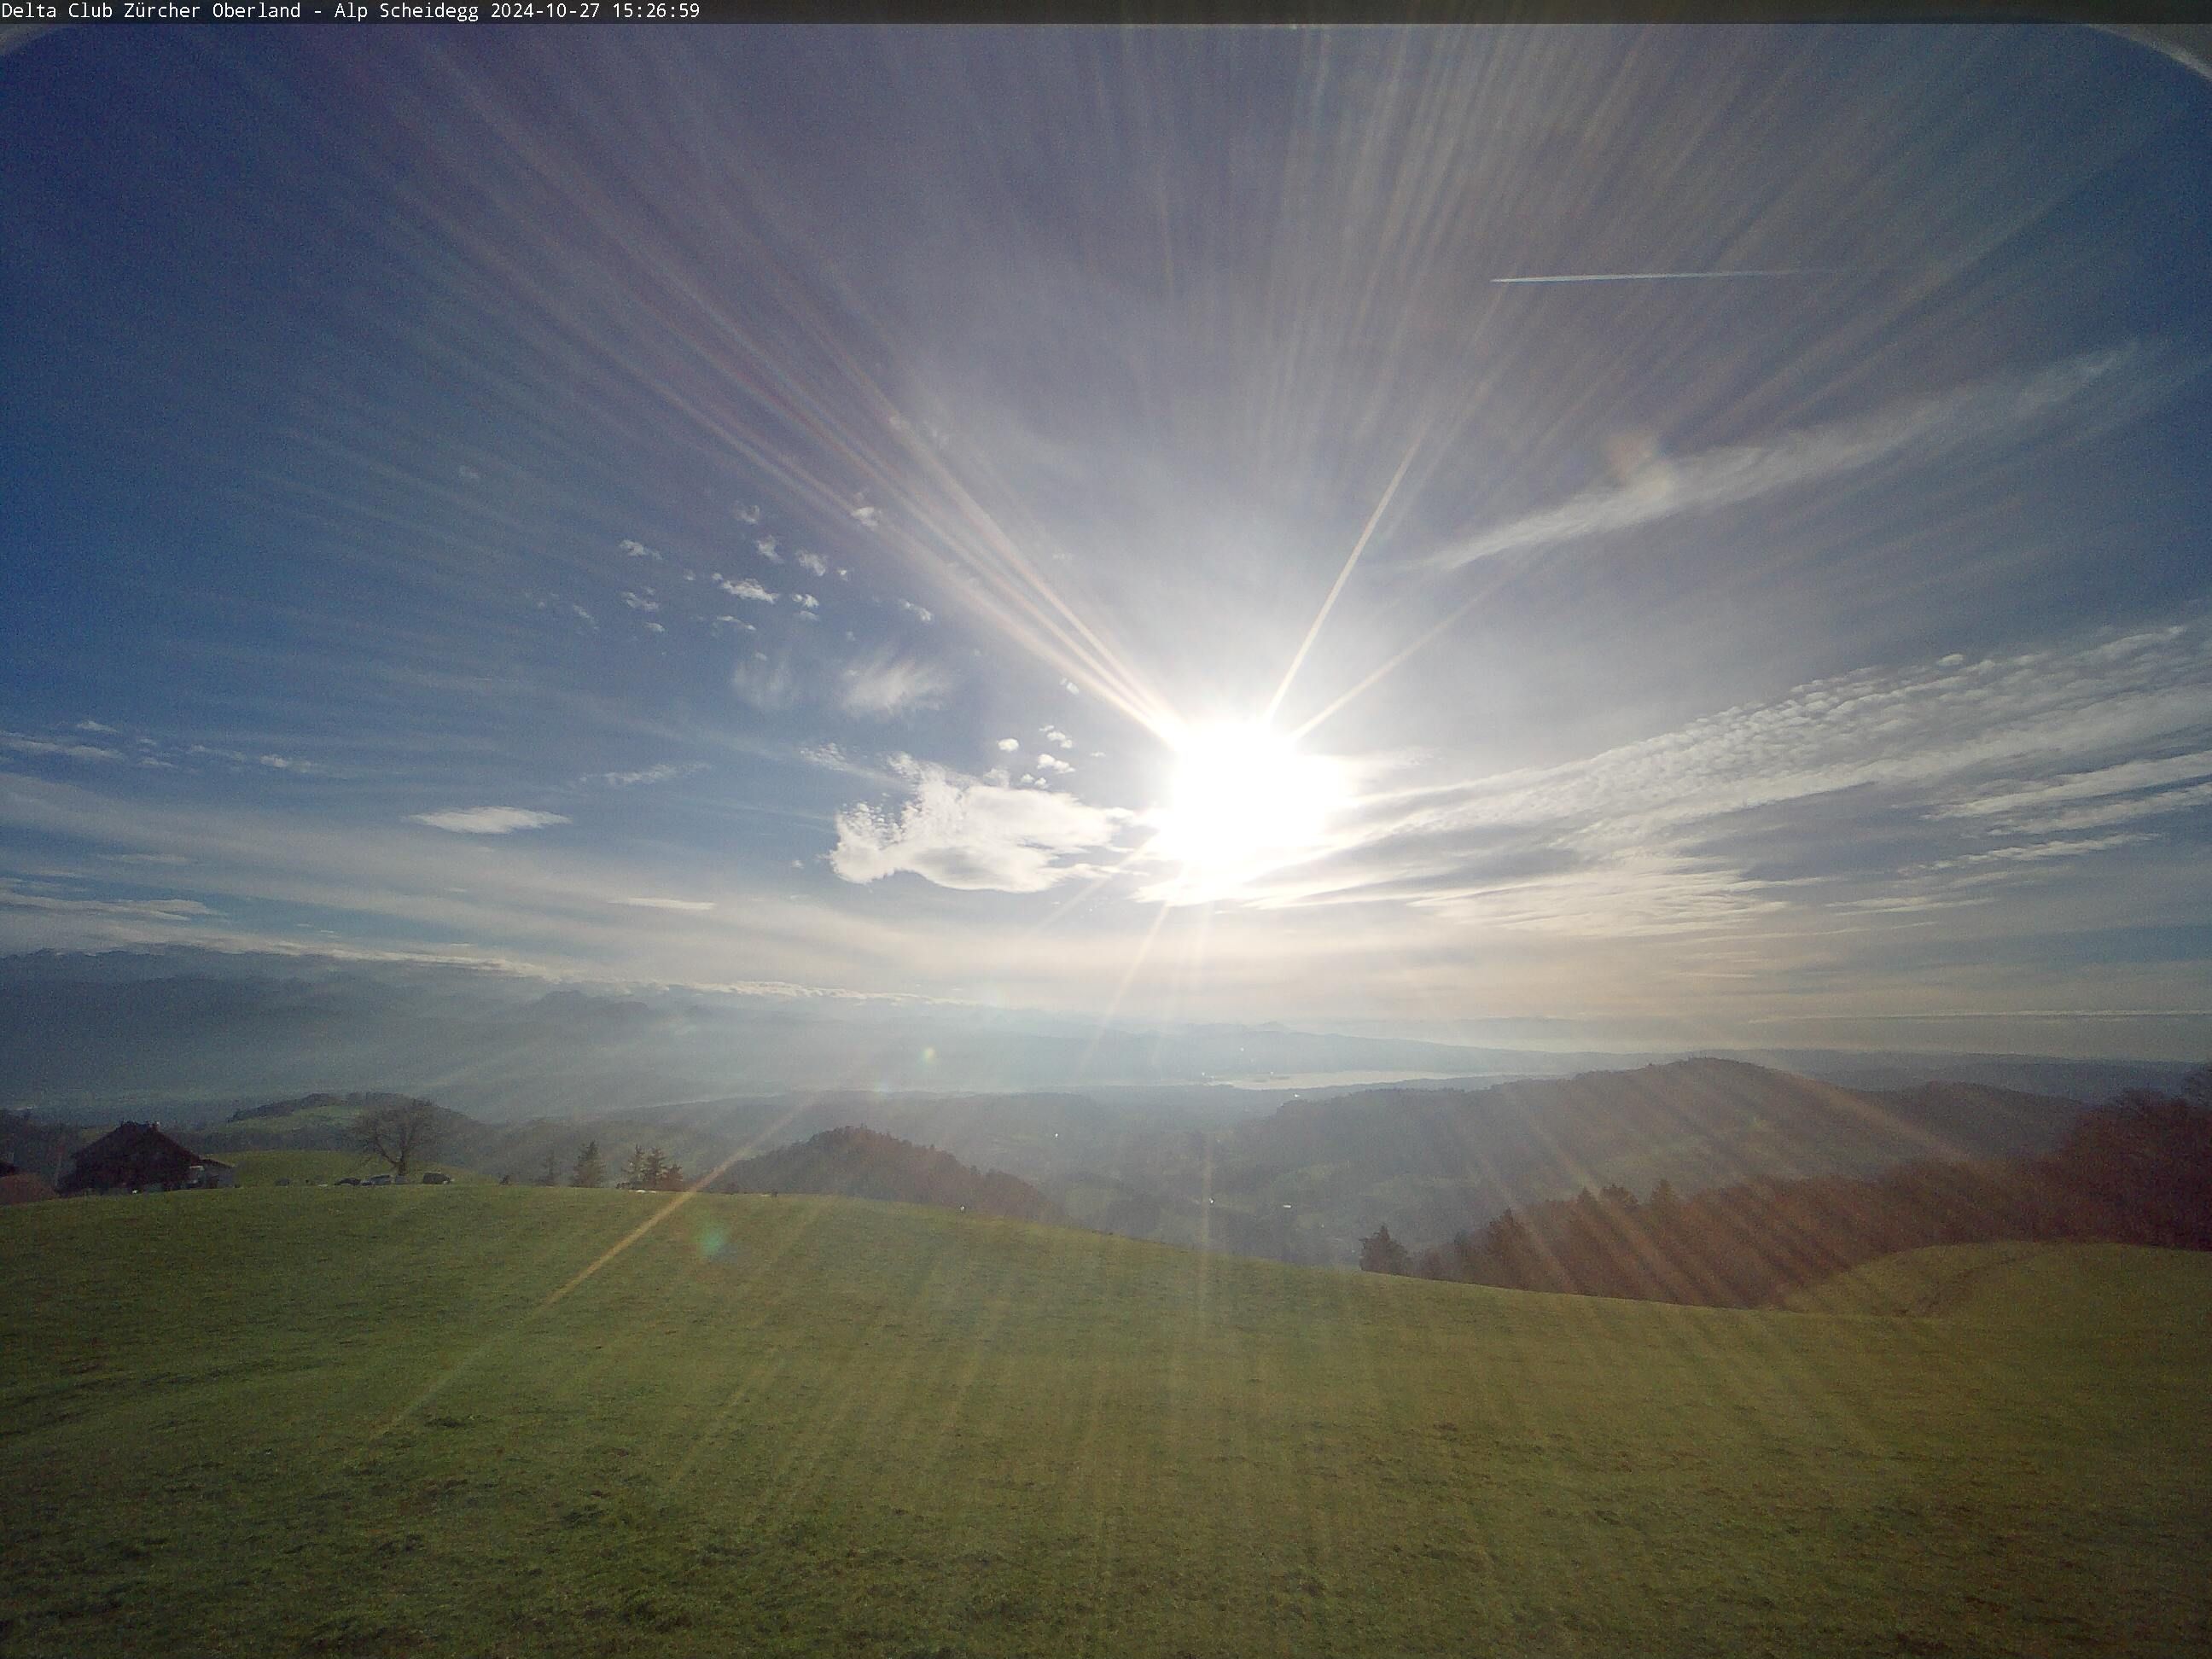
(2138, 1170)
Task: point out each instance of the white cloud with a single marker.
(806, 601)
(746, 514)
(15, 895)
(919, 613)
(1054, 734)
(94, 726)
(661, 774)
(689, 905)
(2113, 384)
(1754, 810)
(745, 589)
(889, 685)
(1007, 745)
(971, 835)
(24, 745)
(640, 550)
(488, 820)
(2043, 802)
(1048, 762)
(868, 516)
(766, 548)
(635, 603)
(830, 756)
(812, 563)
(1070, 687)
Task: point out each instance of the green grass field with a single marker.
(414, 1421)
(266, 1169)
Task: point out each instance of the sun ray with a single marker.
(1342, 577)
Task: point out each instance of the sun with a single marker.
(1244, 798)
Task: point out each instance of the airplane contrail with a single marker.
(1666, 275)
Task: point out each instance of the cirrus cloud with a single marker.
(488, 820)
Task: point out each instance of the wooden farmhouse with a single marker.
(137, 1157)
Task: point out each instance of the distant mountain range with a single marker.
(185, 1033)
(1130, 1131)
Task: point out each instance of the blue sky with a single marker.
(877, 511)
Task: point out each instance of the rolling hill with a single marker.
(505, 1420)
(1301, 1183)
(1305, 1182)
(855, 1162)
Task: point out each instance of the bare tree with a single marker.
(400, 1132)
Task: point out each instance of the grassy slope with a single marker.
(267, 1168)
(814, 1426)
(2138, 1294)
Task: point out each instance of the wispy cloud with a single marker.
(889, 685)
(812, 563)
(744, 588)
(688, 906)
(488, 820)
(2091, 390)
(664, 772)
(770, 682)
(971, 834)
(18, 893)
(637, 550)
(1879, 785)
(23, 743)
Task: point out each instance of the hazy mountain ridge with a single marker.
(1307, 1179)
(1301, 1182)
(850, 1162)
(84, 1035)
(182, 1033)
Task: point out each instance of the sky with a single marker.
(1100, 521)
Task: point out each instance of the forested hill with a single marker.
(856, 1162)
(1697, 1122)
(2137, 1171)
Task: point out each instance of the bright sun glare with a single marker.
(1243, 796)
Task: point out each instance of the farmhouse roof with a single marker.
(127, 1141)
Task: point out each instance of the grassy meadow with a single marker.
(468, 1421)
(267, 1168)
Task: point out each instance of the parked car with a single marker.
(347, 1180)
(377, 1181)
(437, 1178)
